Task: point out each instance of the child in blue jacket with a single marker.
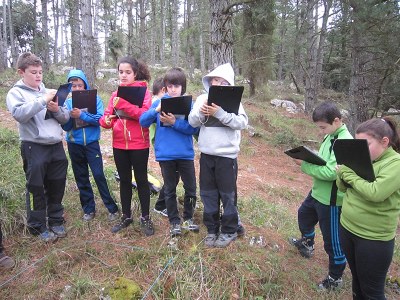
(174, 151)
(84, 151)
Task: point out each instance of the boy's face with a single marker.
(32, 76)
(326, 128)
(77, 84)
(174, 90)
(219, 81)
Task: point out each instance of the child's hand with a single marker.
(108, 119)
(167, 118)
(50, 94)
(209, 110)
(297, 161)
(75, 113)
(53, 106)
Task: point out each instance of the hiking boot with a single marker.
(306, 250)
(190, 226)
(113, 216)
(146, 225)
(240, 230)
(6, 262)
(224, 239)
(330, 284)
(209, 240)
(88, 217)
(163, 212)
(47, 236)
(125, 222)
(59, 231)
(175, 229)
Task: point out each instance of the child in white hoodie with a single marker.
(219, 147)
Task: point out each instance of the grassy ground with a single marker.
(87, 263)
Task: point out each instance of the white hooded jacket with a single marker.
(219, 141)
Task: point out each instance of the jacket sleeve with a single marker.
(386, 183)
(327, 172)
(149, 117)
(184, 127)
(196, 118)
(93, 119)
(233, 121)
(107, 112)
(23, 109)
(131, 110)
(62, 115)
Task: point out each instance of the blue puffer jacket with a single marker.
(89, 134)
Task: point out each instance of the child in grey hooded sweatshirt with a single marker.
(219, 147)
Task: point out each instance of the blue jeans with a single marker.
(169, 170)
(83, 157)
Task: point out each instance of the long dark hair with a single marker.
(379, 128)
(139, 67)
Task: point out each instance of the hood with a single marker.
(224, 71)
(79, 74)
(21, 84)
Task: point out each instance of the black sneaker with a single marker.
(330, 284)
(240, 230)
(146, 225)
(125, 222)
(175, 229)
(303, 246)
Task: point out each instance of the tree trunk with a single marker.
(46, 39)
(74, 23)
(88, 60)
(174, 36)
(3, 41)
(56, 20)
(14, 50)
(162, 32)
(129, 8)
(221, 33)
(282, 34)
(143, 49)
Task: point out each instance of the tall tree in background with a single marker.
(74, 23)
(3, 39)
(88, 48)
(174, 8)
(44, 51)
(221, 37)
(56, 21)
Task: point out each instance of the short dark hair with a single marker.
(176, 76)
(326, 112)
(26, 60)
(158, 85)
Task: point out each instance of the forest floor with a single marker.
(267, 178)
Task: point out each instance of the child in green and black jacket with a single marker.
(323, 203)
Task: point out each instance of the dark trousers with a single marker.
(218, 181)
(45, 168)
(312, 212)
(160, 203)
(184, 168)
(125, 161)
(83, 157)
(369, 262)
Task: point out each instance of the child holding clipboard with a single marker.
(371, 210)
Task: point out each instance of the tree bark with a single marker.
(88, 60)
(74, 23)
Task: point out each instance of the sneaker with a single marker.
(209, 240)
(59, 231)
(6, 262)
(175, 229)
(47, 236)
(88, 217)
(113, 216)
(224, 239)
(190, 226)
(146, 225)
(302, 245)
(125, 222)
(240, 230)
(163, 212)
(330, 284)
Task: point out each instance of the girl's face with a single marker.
(174, 90)
(376, 147)
(219, 81)
(125, 73)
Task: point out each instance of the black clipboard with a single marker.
(132, 94)
(85, 100)
(354, 153)
(178, 106)
(306, 154)
(62, 94)
(226, 96)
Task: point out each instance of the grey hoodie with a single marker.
(219, 141)
(28, 108)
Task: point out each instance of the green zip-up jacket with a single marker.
(371, 209)
(324, 187)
